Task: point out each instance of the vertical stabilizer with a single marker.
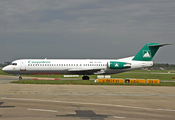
(148, 51)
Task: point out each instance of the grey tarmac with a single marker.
(80, 102)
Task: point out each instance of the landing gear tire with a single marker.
(20, 78)
(85, 77)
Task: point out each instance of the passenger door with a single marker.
(22, 65)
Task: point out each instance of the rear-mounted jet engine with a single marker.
(118, 65)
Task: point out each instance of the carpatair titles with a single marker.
(38, 62)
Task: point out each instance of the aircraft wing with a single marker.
(85, 71)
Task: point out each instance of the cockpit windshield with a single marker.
(13, 64)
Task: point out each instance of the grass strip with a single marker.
(143, 74)
(86, 82)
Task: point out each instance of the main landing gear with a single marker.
(85, 77)
(20, 78)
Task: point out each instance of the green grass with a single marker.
(132, 74)
(86, 82)
(143, 74)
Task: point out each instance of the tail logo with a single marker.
(146, 53)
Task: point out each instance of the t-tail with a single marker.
(148, 51)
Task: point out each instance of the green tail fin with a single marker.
(148, 51)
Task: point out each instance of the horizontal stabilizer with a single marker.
(159, 45)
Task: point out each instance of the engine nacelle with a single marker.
(118, 65)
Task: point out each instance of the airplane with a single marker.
(84, 67)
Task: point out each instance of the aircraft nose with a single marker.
(5, 69)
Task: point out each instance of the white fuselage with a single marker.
(71, 66)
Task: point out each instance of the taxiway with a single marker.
(76, 102)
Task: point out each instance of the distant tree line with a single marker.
(163, 65)
(2, 65)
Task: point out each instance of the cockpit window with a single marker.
(14, 64)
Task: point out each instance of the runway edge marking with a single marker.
(122, 106)
(43, 110)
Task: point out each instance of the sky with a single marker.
(85, 29)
